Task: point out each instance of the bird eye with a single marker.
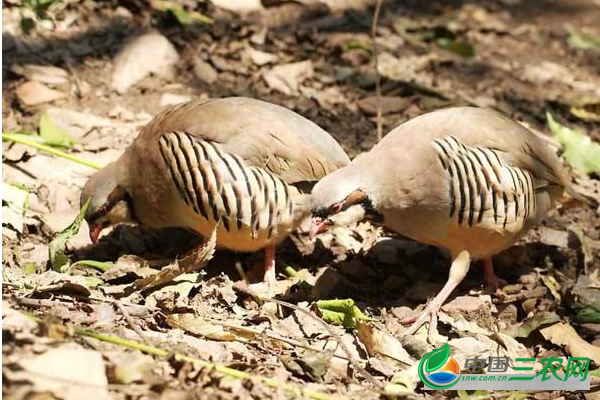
(336, 208)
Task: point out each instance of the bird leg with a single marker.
(270, 278)
(491, 280)
(458, 271)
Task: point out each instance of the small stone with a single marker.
(33, 93)
(171, 98)
(204, 71)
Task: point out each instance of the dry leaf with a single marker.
(563, 334)
(199, 326)
(69, 373)
(287, 78)
(380, 343)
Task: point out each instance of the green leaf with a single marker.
(30, 268)
(185, 18)
(584, 42)
(59, 260)
(463, 49)
(437, 358)
(341, 312)
(53, 134)
(99, 265)
(595, 373)
(92, 282)
(579, 150)
(588, 315)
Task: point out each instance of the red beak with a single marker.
(95, 230)
(317, 226)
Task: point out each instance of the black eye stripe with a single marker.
(110, 203)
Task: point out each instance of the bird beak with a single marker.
(317, 226)
(95, 230)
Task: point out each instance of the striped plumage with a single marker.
(220, 187)
(464, 179)
(483, 190)
(236, 162)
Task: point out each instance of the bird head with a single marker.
(110, 203)
(339, 202)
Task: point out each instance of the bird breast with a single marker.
(252, 207)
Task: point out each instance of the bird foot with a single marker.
(429, 314)
(493, 284)
(265, 289)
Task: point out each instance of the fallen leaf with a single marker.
(58, 258)
(563, 334)
(185, 18)
(239, 6)
(381, 343)
(141, 56)
(52, 281)
(462, 48)
(579, 150)
(47, 74)
(389, 104)
(199, 326)
(69, 373)
(312, 365)
(584, 42)
(53, 134)
(33, 93)
(98, 265)
(204, 71)
(286, 78)
(260, 58)
(524, 329)
(587, 290)
(588, 315)
(178, 288)
(587, 112)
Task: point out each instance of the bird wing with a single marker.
(264, 135)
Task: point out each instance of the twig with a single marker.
(130, 321)
(326, 326)
(48, 149)
(377, 76)
(274, 336)
(221, 369)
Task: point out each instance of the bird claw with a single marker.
(429, 314)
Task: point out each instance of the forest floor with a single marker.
(78, 81)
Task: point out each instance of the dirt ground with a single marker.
(78, 69)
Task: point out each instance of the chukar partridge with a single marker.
(235, 162)
(469, 180)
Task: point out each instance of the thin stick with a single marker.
(48, 149)
(377, 76)
(345, 348)
(130, 321)
(274, 336)
(234, 373)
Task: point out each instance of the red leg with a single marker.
(491, 280)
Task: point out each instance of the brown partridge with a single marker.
(468, 180)
(235, 162)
